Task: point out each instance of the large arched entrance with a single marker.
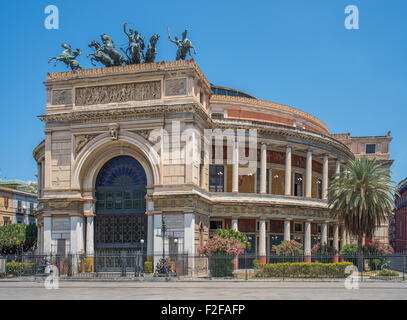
(120, 221)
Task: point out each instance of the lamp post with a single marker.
(163, 266)
(138, 270)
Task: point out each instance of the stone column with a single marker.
(39, 230)
(324, 236)
(47, 160)
(189, 240)
(325, 178)
(288, 171)
(307, 241)
(336, 242)
(74, 235)
(262, 241)
(337, 167)
(287, 235)
(90, 248)
(235, 173)
(158, 240)
(308, 189)
(235, 225)
(47, 236)
(263, 168)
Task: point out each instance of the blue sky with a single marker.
(294, 52)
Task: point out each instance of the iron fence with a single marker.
(137, 264)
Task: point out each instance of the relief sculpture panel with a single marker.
(118, 93)
(61, 97)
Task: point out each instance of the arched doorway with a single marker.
(120, 221)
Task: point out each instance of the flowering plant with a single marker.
(288, 248)
(218, 245)
(320, 248)
(377, 248)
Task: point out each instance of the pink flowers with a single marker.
(221, 245)
(320, 248)
(376, 247)
(288, 248)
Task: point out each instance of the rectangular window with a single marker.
(298, 185)
(31, 208)
(216, 178)
(19, 205)
(298, 227)
(370, 148)
(214, 225)
(319, 189)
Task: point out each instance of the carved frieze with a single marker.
(118, 93)
(61, 97)
(176, 87)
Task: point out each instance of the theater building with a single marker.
(126, 146)
(400, 226)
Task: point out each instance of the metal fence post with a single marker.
(69, 265)
(245, 264)
(123, 263)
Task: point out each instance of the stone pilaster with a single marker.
(288, 171)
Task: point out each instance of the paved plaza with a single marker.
(207, 290)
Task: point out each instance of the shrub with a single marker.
(148, 267)
(377, 248)
(231, 233)
(221, 265)
(387, 273)
(323, 249)
(20, 268)
(218, 245)
(220, 252)
(349, 250)
(303, 270)
(288, 248)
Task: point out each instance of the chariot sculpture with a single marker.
(106, 53)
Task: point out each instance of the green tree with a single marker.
(361, 198)
(17, 238)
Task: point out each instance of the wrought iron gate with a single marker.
(120, 222)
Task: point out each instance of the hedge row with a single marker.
(302, 270)
(20, 268)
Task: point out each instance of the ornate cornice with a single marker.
(283, 131)
(119, 112)
(133, 68)
(269, 104)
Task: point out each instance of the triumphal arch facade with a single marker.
(127, 146)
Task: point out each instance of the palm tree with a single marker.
(361, 198)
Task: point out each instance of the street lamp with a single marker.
(163, 266)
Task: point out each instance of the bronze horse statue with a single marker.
(68, 57)
(109, 49)
(151, 49)
(99, 55)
